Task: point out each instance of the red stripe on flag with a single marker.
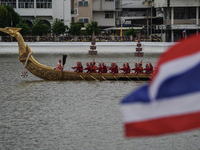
(163, 125)
(184, 48)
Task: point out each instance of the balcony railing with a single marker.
(180, 21)
(75, 12)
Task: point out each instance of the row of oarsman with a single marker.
(102, 68)
(92, 68)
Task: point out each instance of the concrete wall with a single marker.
(102, 21)
(103, 5)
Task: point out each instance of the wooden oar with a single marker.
(148, 76)
(125, 75)
(102, 77)
(92, 77)
(79, 75)
(114, 76)
(136, 76)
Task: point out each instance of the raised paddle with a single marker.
(64, 60)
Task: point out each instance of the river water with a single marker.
(74, 115)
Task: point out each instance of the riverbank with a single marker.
(83, 47)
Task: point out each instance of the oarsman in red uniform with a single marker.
(140, 68)
(104, 68)
(115, 68)
(75, 68)
(88, 68)
(128, 70)
(112, 69)
(150, 68)
(94, 68)
(147, 69)
(59, 67)
(100, 68)
(124, 68)
(91, 64)
(136, 68)
(79, 67)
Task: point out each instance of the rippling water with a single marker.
(73, 115)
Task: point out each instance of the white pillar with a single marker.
(35, 6)
(17, 6)
(172, 15)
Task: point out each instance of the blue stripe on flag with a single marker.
(181, 84)
(140, 95)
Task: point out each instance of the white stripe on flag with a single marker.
(134, 112)
(171, 68)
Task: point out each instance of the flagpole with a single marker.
(121, 31)
(185, 33)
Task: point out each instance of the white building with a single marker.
(179, 15)
(47, 10)
(105, 12)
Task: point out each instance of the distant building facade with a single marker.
(105, 12)
(82, 11)
(179, 16)
(47, 10)
(143, 17)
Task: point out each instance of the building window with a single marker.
(109, 14)
(83, 3)
(83, 20)
(11, 3)
(44, 4)
(26, 3)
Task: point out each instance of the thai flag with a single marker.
(171, 101)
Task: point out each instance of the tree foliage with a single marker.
(131, 31)
(16, 18)
(25, 28)
(148, 2)
(5, 17)
(92, 27)
(75, 29)
(58, 27)
(39, 28)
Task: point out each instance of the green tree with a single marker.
(39, 28)
(92, 27)
(131, 31)
(5, 17)
(58, 27)
(16, 18)
(148, 2)
(25, 28)
(75, 29)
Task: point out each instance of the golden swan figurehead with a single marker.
(11, 31)
(14, 32)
